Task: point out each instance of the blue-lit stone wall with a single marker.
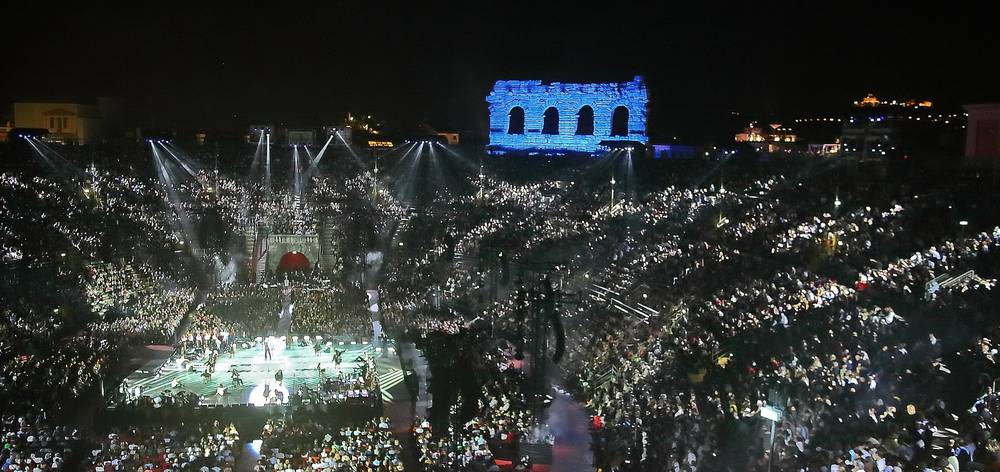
(535, 97)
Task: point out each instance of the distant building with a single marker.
(301, 137)
(5, 131)
(773, 133)
(771, 139)
(531, 115)
(982, 136)
(71, 123)
(871, 101)
(825, 150)
(451, 138)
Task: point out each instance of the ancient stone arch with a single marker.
(534, 97)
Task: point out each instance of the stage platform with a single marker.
(298, 365)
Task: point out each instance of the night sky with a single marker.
(219, 69)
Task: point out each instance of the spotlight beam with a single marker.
(184, 165)
(167, 180)
(392, 170)
(472, 168)
(267, 169)
(59, 164)
(314, 163)
(295, 171)
(406, 191)
(256, 154)
(350, 149)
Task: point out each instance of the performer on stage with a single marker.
(237, 381)
(337, 357)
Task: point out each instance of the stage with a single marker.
(297, 363)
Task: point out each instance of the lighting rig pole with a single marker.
(481, 179)
(267, 169)
(375, 180)
(611, 208)
(215, 185)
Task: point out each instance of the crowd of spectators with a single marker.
(697, 308)
(313, 445)
(208, 445)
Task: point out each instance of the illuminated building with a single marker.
(451, 138)
(531, 115)
(868, 101)
(871, 101)
(770, 139)
(825, 150)
(5, 131)
(70, 123)
(773, 133)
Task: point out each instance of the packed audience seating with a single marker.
(291, 445)
(697, 307)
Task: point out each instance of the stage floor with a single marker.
(297, 363)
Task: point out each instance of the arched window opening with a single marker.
(619, 122)
(515, 124)
(585, 120)
(550, 123)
